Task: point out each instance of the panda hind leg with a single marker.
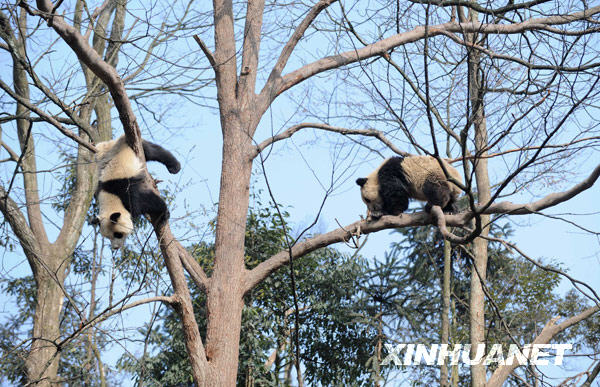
(152, 204)
(438, 194)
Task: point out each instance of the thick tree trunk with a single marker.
(42, 362)
(225, 295)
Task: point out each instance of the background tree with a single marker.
(44, 201)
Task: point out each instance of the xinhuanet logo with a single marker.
(534, 354)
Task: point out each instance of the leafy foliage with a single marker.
(523, 296)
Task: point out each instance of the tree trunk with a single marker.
(42, 362)
(446, 309)
(225, 295)
(480, 245)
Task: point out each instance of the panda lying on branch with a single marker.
(387, 189)
(123, 193)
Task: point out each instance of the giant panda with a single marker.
(387, 189)
(123, 192)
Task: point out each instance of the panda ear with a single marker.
(95, 221)
(115, 216)
(361, 181)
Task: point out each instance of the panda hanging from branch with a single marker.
(386, 191)
(123, 192)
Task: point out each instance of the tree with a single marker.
(554, 86)
(44, 96)
(522, 296)
(326, 281)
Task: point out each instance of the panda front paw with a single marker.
(174, 167)
(373, 216)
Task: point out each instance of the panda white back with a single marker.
(417, 169)
(116, 160)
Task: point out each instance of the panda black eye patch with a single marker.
(367, 201)
(118, 235)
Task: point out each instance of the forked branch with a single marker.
(100, 68)
(172, 250)
(281, 84)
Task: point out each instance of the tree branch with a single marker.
(46, 117)
(343, 234)
(531, 66)
(103, 70)
(209, 55)
(173, 253)
(287, 50)
(250, 51)
(550, 200)
(345, 131)
(382, 46)
(592, 375)
(18, 224)
(170, 247)
(550, 330)
(476, 7)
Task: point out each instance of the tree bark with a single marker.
(224, 299)
(50, 261)
(43, 358)
(446, 308)
(216, 363)
(480, 245)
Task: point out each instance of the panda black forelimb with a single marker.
(154, 152)
(393, 187)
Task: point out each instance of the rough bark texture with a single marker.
(42, 360)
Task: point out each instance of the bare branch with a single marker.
(174, 254)
(529, 65)
(476, 7)
(382, 46)
(437, 212)
(11, 212)
(592, 375)
(343, 234)
(95, 320)
(548, 332)
(103, 70)
(209, 55)
(547, 201)
(345, 131)
(250, 51)
(287, 50)
(46, 117)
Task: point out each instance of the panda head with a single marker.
(369, 192)
(116, 227)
